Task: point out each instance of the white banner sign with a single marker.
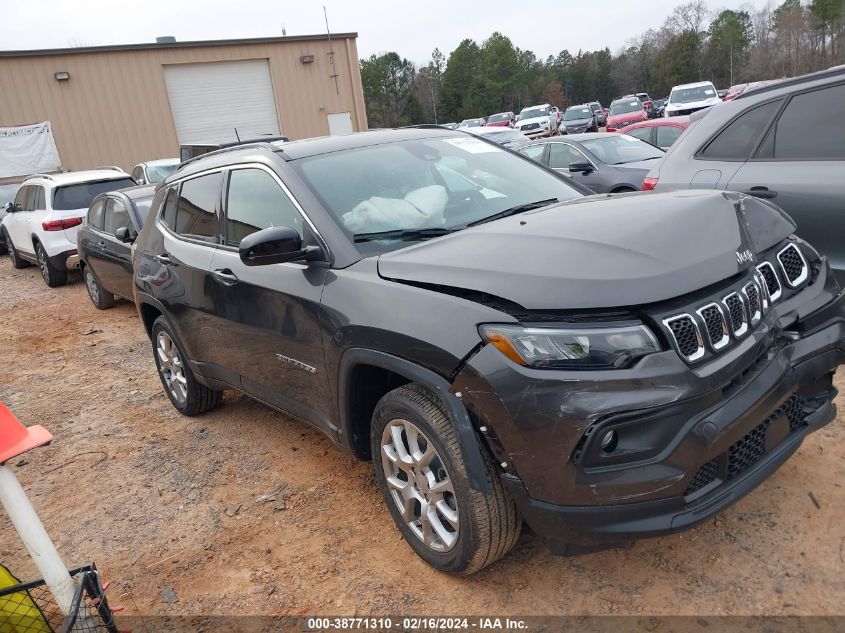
(27, 149)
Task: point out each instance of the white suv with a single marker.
(536, 121)
(40, 225)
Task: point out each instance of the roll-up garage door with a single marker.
(210, 100)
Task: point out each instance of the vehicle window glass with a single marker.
(643, 133)
(115, 217)
(20, 198)
(667, 135)
(628, 105)
(138, 174)
(95, 215)
(534, 152)
(157, 173)
(561, 155)
(736, 141)
(142, 206)
(618, 149)
(168, 210)
(39, 198)
(255, 201)
(29, 202)
(792, 138)
(80, 195)
(196, 212)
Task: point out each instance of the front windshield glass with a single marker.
(431, 183)
(628, 105)
(498, 117)
(573, 114)
(157, 173)
(533, 114)
(618, 149)
(688, 95)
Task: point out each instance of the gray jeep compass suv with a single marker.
(502, 347)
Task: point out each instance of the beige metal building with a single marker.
(119, 105)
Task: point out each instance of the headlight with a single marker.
(571, 348)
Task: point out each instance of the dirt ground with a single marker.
(161, 501)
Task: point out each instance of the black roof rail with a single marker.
(794, 81)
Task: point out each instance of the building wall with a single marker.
(114, 110)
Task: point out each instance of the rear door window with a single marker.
(642, 133)
(116, 216)
(534, 152)
(738, 139)
(196, 213)
(793, 137)
(40, 203)
(168, 210)
(667, 135)
(95, 215)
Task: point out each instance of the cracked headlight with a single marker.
(577, 347)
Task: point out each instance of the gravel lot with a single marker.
(164, 502)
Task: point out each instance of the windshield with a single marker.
(471, 123)
(157, 173)
(435, 183)
(618, 149)
(628, 105)
(577, 113)
(79, 196)
(688, 95)
(533, 114)
(499, 117)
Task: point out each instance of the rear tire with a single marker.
(186, 394)
(421, 474)
(100, 297)
(16, 260)
(53, 277)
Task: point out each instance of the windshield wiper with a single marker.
(521, 208)
(402, 234)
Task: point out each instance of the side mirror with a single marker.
(275, 245)
(10, 207)
(122, 233)
(580, 167)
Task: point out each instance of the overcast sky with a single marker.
(411, 29)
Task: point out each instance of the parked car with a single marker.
(689, 98)
(625, 111)
(7, 195)
(599, 112)
(537, 121)
(606, 373)
(659, 132)
(722, 94)
(471, 123)
(784, 142)
(41, 224)
(153, 171)
(502, 119)
(579, 119)
(648, 105)
(505, 137)
(604, 163)
(449, 126)
(105, 238)
(659, 106)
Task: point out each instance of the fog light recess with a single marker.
(609, 441)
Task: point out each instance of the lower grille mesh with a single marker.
(705, 475)
(752, 447)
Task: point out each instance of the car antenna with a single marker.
(237, 136)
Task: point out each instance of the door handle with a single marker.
(164, 258)
(760, 192)
(224, 276)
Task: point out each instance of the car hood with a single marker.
(598, 251)
(693, 105)
(536, 119)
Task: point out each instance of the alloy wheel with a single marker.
(91, 284)
(43, 264)
(171, 367)
(419, 485)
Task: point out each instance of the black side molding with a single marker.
(470, 448)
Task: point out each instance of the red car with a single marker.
(503, 119)
(660, 132)
(625, 111)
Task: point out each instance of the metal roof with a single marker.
(166, 45)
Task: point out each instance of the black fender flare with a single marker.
(467, 437)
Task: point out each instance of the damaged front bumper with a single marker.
(691, 441)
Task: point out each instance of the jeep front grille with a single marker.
(793, 265)
(753, 301)
(736, 312)
(772, 282)
(715, 325)
(686, 335)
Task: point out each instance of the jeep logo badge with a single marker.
(743, 257)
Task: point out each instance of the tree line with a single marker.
(726, 47)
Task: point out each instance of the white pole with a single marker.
(35, 538)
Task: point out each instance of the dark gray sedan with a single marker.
(579, 119)
(602, 162)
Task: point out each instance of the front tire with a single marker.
(53, 277)
(421, 474)
(16, 260)
(100, 297)
(186, 394)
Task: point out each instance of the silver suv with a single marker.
(784, 142)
